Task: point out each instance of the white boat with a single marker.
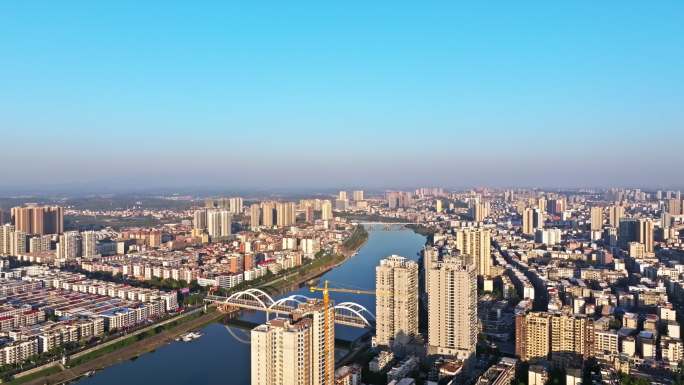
(190, 336)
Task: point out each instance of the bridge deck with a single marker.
(341, 319)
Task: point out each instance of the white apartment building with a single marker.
(396, 283)
(452, 308)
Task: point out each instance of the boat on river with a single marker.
(188, 337)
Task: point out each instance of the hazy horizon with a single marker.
(77, 190)
(137, 96)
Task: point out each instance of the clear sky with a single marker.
(367, 93)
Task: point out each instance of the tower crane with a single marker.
(326, 321)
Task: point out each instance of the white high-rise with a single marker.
(646, 227)
(19, 243)
(199, 220)
(596, 214)
(323, 346)
(476, 243)
(281, 352)
(300, 351)
(89, 244)
(40, 243)
(452, 308)
(214, 223)
(286, 215)
(532, 220)
(226, 223)
(615, 213)
(548, 236)
(69, 245)
(357, 195)
(219, 223)
(396, 284)
(6, 239)
(430, 257)
(326, 210)
(267, 214)
(254, 216)
(235, 205)
(478, 210)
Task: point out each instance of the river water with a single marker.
(221, 355)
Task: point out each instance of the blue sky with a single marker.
(311, 94)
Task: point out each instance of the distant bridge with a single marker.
(346, 313)
(387, 223)
(385, 226)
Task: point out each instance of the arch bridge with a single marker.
(346, 313)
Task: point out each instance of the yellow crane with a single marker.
(325, 289)
(326, 321)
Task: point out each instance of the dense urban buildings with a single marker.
(573, 280)
(378, 193)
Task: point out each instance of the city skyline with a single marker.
(321, 193)
(378, 96)
(477, 285)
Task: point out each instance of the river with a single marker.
(218, 357)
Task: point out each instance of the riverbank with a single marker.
(110, 344)
(297, 278)
(423, 230)
(356, 240)
(319, 266)
(121, 351)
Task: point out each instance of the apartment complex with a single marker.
(452, 307)
(532, 336)
(596, 214)
(615, 213)
(233, 204)
(216, 223)
(532, 219)
(396, 283)
(561, 337)
(478, 210)
(300, 351)
(254, 216)
(281, 352)
(286, 214)
(269, 214)
(326, 210)
(39, 220)
(476, 243)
